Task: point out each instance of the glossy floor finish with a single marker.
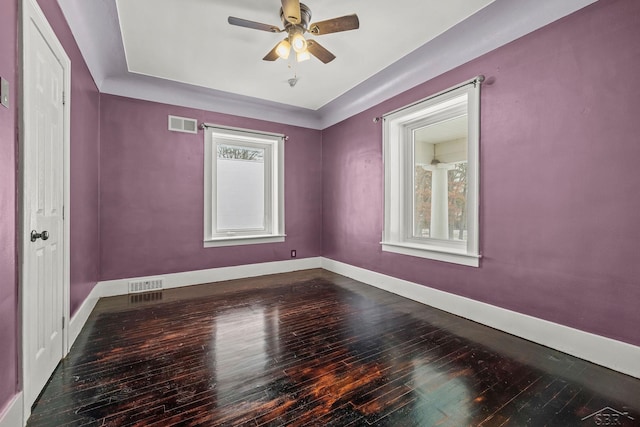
(313, 349)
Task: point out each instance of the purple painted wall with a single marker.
(151, 215)
(559, 182)
(8, 269)
(559, 177)
(85, 163)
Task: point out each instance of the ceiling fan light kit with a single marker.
(303, 56)
(283, 49)
(298, 42)
(295, 17)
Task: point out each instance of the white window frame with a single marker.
(398, 127)
(273, 145)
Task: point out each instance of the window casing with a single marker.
(431, 162)
(243, 187)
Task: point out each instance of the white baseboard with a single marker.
(81, 315)
(616, 355)
(11, 415)
(175, 280)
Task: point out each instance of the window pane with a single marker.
(422, 204)
(240, 153)
(431, 170)
(457, 181)
(440, 180)
(240, 189)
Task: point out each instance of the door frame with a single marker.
(31, 11)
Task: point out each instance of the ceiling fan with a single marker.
(295, 18)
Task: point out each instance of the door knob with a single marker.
(35, 235)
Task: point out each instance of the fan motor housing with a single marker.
(305, 17)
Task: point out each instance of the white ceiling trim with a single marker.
(185, 95)
(96, 29)
(501, 22)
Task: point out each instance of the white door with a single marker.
(43, 198)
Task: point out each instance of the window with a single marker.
(244, 187)
(431, 161)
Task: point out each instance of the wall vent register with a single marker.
(183, 124)
(146, 285)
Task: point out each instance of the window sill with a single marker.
(243, 240)
(445, 255)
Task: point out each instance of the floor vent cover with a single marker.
(145, 285)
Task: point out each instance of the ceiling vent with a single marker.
(183, 124)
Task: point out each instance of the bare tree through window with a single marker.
(239, 153)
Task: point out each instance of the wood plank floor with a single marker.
(315, 349)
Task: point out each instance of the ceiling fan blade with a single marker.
(272, 55)
(252, 24)
(335, 25)
(291, 11)
(319, 52)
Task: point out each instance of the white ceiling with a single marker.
(444, 131)
(183, 52)
(190, 41)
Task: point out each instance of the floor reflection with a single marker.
(314, 349)
(240, 348)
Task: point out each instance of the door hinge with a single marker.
(63, 212)
(62, 322)
(64, 98)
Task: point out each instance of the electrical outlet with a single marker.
(293, 253)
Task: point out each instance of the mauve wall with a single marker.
(151, 214)
(559, 177)
(85, 162)
(8, 271)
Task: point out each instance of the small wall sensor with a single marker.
(4, 92)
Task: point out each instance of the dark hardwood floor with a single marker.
(314, 348)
